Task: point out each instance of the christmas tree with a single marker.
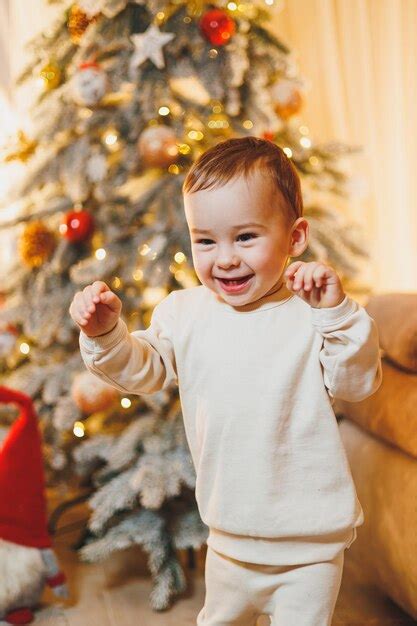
(132, 93)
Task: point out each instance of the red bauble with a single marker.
(217, 27)
(77, 226)
(268, 135)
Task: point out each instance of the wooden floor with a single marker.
(116, 592)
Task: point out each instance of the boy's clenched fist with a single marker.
(316, 283)
(96, 309)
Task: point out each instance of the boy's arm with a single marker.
(350, 354)
(141, 362)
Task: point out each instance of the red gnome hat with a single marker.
(23, 517)
(23, 514)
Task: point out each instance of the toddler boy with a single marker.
(259, 351)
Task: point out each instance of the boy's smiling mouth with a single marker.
(234, 285)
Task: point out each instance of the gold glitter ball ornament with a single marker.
(36, 244)
(51, 75)
(78, 22)
(287, 98)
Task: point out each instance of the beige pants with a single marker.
(294, 595)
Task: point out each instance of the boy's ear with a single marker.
(299, 237)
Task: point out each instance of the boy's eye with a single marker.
(242, 235)
(247, 235)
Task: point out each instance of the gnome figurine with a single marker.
(27, 561)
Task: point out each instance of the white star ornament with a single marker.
(148, 45)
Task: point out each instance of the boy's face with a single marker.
(230, 250)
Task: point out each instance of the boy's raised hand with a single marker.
(316, 283)
(96, 309)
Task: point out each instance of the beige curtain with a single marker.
(360, 60)
(4, 48)
(26, 18)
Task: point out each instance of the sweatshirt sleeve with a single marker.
(141, 362)
(350, 354)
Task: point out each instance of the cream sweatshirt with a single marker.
(257, 384)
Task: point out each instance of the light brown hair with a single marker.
(241, 155)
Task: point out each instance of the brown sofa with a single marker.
(380, 438)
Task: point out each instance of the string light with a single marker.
(137, 275)
(111, 139)
(164, 111)
(184, 148)
(126, 403)
(79, 429)
(305, 142)
(221, 123)
(287, 151)
(144, 250)
(179, 257)
(247, 124)
(180, 275)
(24, 348)
(84, 113)
(100, 254)
(195, 135)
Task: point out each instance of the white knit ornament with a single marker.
(89, 84)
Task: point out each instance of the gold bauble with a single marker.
(291, 107)
(157, 146)
(36, 244)
(78, 22)
(51, 75)
(91, 394)
(287, 98)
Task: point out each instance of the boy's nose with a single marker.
(227, 257)
(228, 261)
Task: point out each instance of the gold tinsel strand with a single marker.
(24, 149)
